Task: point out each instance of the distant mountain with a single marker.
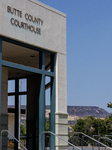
(84, 111)
(74, 112)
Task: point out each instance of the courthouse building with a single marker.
(33, 46)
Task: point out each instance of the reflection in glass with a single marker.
(11, 100)
(11, 86)
(47, 79)
(22, 85)
(23, 99)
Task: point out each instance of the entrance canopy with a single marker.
(20, 60)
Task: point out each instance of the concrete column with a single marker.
(4, 114)
(61, 116)
(61, 125)
(4, 89)
(11, 124)
(32, 112)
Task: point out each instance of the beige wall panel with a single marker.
(4, 98)
(61, 84)
(4, 75)
(60, 142)
(53, 30)
(61, 118)
(61, 129)
(4, 119)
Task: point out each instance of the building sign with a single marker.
(28, 17)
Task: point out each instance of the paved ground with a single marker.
(84, 148)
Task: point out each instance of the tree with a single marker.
(109, 125)
(92, 126)
(22, 130)
(89, 122)
(47, 125)
(79, 126)
(109, 105)
(47, 135)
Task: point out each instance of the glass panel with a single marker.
(47, 80)
(11, 124)
(22, 85)
(20, 55)
(47, 97)
(23, 99)
(11, 101)
(11, 86)
(47, 110)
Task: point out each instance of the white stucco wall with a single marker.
(53, 30)
(61, 83)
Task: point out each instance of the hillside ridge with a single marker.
(84, 111)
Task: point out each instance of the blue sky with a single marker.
(89, 51)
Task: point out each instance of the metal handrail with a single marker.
(96, 136)
(108, 138)
(96, 139)
(108, 135)
(21, 137)
(93, 139)
(58, 137)
(81, 139)
(84, 140)
(13, 137)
